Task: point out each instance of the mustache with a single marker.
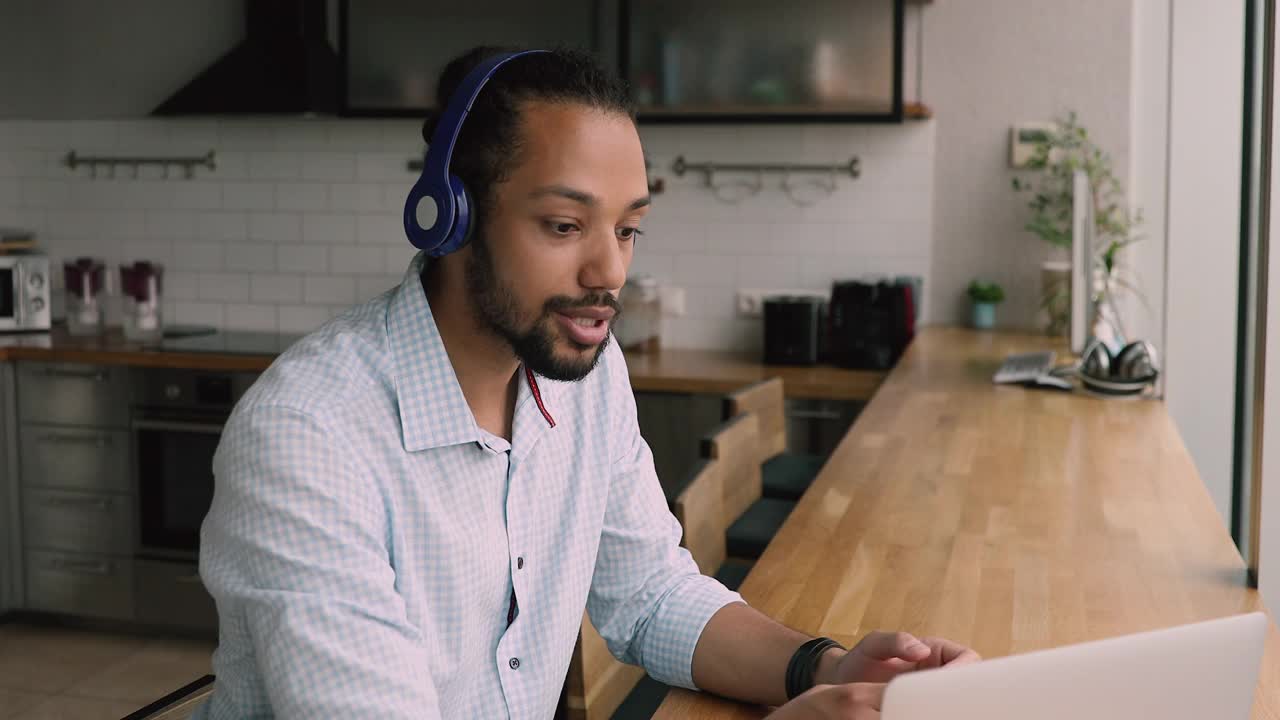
(560, 303)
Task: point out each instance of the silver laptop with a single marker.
(1192, 672)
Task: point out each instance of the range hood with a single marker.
(284, 65)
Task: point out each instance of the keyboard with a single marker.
(1025, 367)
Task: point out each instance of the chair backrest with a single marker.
(768, 401)
(597, 683)
(177, 705)
(700, 509)
(735, 443)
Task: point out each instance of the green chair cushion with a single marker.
(788, 475)
(750, 534)
(643, 700)
(732, 573)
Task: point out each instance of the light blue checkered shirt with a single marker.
(366, 536)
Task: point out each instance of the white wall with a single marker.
(989, 64)
(1205, 116)
(1268, 560)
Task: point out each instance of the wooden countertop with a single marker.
(1007, 519)
(679, 371)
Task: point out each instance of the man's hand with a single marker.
(855, 701)
(882, 656)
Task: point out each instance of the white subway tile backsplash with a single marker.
(383, 166)
(301, 318)
(223, 287)
(181, 285)
(250, 257)
(303, 216)
(380, 230)
(43, 193)
(767, 271)
(369, 287)
(198, 255)
(248, 196)
(274, 289)
(258, 318)
(329, 229)
(305, 134)
(275, 227)
(329, 290)
(399, 257)
(357, 260)
(333, 166)
(231, 165)
(198, 313)
(222, 226)
(120, 223)
(275, 165)
(197, 195)
(659, 265)
(302, 258)
(356, 197)
(302, 196)
(705, 270)
(170, 225)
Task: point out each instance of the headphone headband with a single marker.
(437, 211)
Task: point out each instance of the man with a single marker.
(415, 502)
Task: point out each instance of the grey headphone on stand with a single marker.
(1127, 372)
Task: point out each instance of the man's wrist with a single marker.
(826, 671)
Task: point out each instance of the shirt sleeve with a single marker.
(648, 600)
(293, 551)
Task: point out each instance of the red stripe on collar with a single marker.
(537, 396)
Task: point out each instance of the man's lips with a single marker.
(590, 313)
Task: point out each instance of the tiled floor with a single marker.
(64, 674)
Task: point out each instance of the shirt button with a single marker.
(515, 663)
(520, 563)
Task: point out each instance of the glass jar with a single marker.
(639, 327)
(83, 278)
(141, 285)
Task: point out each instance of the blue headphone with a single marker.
(437, 213)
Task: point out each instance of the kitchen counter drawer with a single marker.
(77, 521)
(171, 593)
(80, 584)
(75, 458)
(73, 394)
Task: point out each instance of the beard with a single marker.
(533, 343)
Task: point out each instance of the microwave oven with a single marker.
(24, 293)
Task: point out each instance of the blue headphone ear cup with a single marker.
(460, 232)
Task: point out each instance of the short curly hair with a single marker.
(490, 142)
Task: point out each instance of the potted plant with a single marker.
(1056, 157)
(985, 296)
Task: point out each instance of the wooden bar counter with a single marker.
(1003, 518)
(675, 371)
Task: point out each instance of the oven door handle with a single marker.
(176, 426)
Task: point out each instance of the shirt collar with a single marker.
(433, 411)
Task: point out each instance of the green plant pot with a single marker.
(984, 315)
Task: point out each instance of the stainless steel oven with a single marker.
(177, 420)
(24, 292)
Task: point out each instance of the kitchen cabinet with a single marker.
(744, 61)
(77, 495)
(10, 526)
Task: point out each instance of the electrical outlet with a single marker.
(750, 302)
(673, 303)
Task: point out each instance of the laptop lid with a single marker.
(1191, 672)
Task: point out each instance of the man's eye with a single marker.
(629, 233)
(562, 228)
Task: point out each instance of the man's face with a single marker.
(545, 270)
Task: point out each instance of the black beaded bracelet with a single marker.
(804, 663)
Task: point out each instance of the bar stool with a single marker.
(786, 475)
(751, 519)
